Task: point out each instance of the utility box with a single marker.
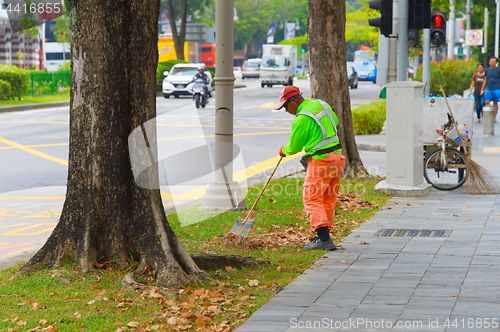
(404, 134)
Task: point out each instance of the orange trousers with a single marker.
(321, 187)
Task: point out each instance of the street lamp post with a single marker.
(224, 193)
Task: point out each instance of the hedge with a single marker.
(17, 78)
(454, 74)
(5, 90)
(369, 118)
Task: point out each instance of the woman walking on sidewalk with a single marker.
(476, 85)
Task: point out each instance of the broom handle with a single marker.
(453, 118)
(262, 191)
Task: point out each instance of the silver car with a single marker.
(251, 68)
(179, 81)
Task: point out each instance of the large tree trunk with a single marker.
(106, 215)
(178, 37)
(327, 52)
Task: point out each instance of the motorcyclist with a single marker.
(201, 74)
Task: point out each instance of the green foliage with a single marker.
(165, 66)
(49, 83)
(17, 78)
(5, 90)
(369, 118)
(62, 32)
(357, 31)
(66, 66)
(455, 75)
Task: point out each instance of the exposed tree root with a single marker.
(213, 262)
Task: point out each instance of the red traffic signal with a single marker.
(438, 28)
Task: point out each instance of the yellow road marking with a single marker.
(4, 244)
(261, 167)
(51, 122)
(270, 105)
(35, 146)
(19, 251)
(5, 211)
(491, 150)
(17, 232)
(26, 223)
(32, 151)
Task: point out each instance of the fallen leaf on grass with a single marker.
(253, 283)
(230, 269)
(36, 305)
(133, 324)
(278, 269)
(21, 323)
(43, 321)
(272, 200)
(95, 287)
(76, 315)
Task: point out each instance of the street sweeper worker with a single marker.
(315, 130)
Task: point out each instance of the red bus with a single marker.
(207, 54)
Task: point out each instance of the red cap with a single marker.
(287, 92)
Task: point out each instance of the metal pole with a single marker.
(303, 65)
(485, 49)
(284, 29)
(467, 48)
(393, 45)
(451, 34)
(221, 192)
(497, 22)
(426, 63)
(196, 54)
(403, 40)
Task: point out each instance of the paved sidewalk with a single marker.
(439, 270)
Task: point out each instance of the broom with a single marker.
(479, 180)
(242, 226)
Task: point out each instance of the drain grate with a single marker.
(414, 232)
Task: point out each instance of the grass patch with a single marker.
(36, 99)
(96, 302)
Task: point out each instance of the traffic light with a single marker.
(419, 14)
(304, 48)
(414, 38)
(384, 22)
(438, 28)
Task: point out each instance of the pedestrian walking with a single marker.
(315, 130)
(475, 89)
(491, 85)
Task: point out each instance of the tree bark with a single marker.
(106, 215)
(328, 72)
(178, 37)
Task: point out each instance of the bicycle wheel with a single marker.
(445, 170)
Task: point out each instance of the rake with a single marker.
(479, 180)
(247, 218)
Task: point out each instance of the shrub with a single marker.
(454, 74)
(17, 78)
(369, 118)
(162, 66)
(5, 90)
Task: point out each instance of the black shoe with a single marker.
(316, 243)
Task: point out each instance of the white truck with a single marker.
(278, 64)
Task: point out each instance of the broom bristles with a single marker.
(479, 180)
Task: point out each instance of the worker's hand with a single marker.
(281, 152)
(482, 92)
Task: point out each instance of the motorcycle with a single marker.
(200, 93)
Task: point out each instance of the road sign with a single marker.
(474, 37)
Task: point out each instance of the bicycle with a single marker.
(445, 168)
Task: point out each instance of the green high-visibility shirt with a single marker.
(306, 133)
